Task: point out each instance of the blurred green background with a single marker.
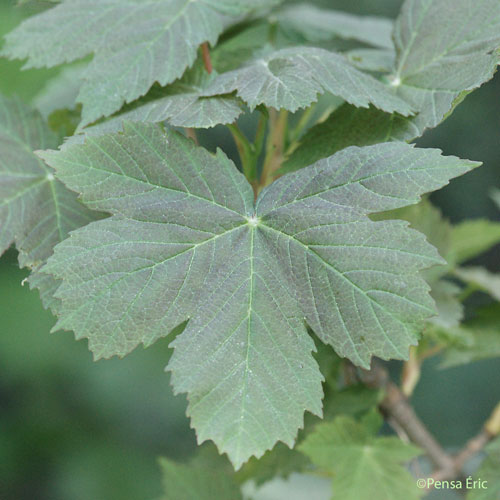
(72, 429)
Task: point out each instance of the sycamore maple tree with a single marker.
(278, 277)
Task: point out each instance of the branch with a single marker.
(207, 61)
(191, 133)
(275, 148)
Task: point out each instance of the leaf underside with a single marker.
(187, 242)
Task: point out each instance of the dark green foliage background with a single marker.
(74, 430)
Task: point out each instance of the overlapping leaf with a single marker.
(36, 210)
(471, 238)
(480, 278)
(61, 91)
(136, 43)
(316, 24)
(444, 50)
(182, 104)
(364, 466)
(204, 478)
(186, 242)
(292, 78)
(473, 340)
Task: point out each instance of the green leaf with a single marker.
(201, 479)
(36, 210)
(480, 278)
(471, 238)
(488, 472)
(378, 60)
(427, 219)
(346, 126)
(450, 309)
(231, 53)
(444, 50)
(187, 242)
(317, 25)
(364, 466)
(181, 104)
(281, 461)
(136, 43)
(474, 340)
(292, 78)
(354, 400)
(61, 91)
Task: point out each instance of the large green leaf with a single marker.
(136, 43)
(444, 49)
(187, 242)
(292, 78)
(36, 210)
(364, 466)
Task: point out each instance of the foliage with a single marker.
(134, 232)
(364, 466)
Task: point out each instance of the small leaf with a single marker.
(450, 309)
(355, 400)
(292, 78)
(186, 242)
(364, 466)
(475, 339)
(281, 461)
(471, 238)
(480, 278)
(202, 479)
(136, 43)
